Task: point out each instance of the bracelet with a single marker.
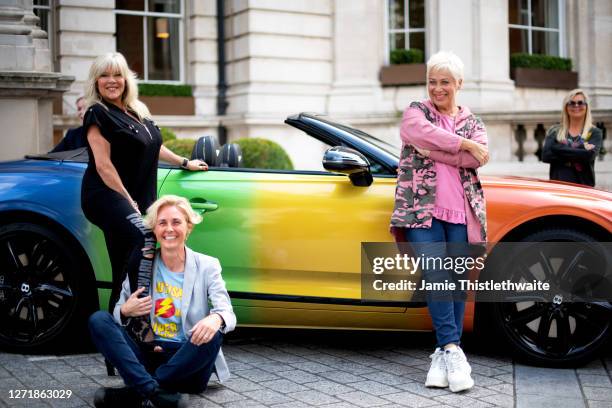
(222, 326)
(184, 164)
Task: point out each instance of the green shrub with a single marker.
(167, 134)
(263, 154)
(407, 56)
(522, 60)
(182, 147)
(164, 90)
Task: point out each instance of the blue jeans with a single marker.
(182, 367)
(446, 308)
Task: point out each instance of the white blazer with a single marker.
(203, 283)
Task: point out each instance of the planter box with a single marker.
(544, 78)
(170, 105)
(403, 74)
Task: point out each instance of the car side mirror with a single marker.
(344, 160)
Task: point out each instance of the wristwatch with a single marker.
(184, 163)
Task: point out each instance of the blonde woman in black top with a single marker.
(572, 147)
(120, 181)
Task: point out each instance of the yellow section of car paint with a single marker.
(309, 232)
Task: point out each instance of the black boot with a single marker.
(117, 397)
(161, 398)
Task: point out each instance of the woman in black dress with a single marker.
(572, 147)
(120, 181)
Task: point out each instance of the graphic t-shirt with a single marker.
(167, 303)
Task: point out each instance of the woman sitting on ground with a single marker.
(188, 333)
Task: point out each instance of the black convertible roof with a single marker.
(77, 155)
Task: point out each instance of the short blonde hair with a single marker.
(116, 62)
(565, 121)
(446, 61)
(181, 203)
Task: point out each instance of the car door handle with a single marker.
(202, 205)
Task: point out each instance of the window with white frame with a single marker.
(149, 34)
(536, 26)
(406, 24)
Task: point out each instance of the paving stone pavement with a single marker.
(285, 368)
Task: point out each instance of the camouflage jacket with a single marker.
(416, 182)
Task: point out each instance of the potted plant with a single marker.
(407, 68)
(167, 99)
(542, 71)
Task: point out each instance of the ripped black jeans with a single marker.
(130, 244)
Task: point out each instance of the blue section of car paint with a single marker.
(53, 189)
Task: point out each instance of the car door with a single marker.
(287, 240)
(286, 236)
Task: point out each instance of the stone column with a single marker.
(27, 84)
(278, 55)
(357, 55)
(531, 145)
(519, 139)
(201, 69)
(87, 30)
(589, 44)
(477, 31)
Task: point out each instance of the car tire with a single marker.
(588, 326)
(43, 289)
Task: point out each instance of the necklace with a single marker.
(144, 125)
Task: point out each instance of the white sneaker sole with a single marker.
(461, 386)
(436, 382)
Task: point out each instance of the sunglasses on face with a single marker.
(576, 104)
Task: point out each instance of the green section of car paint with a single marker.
(104, 297)
(102, 266)
(223, 232)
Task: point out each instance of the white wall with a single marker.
(325, 56)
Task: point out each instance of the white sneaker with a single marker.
(458, 370)
(436, 376)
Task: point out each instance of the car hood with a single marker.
(546, 186)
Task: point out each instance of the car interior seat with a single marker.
(230, 155)
(207, 148)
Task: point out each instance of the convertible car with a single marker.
(290, 246)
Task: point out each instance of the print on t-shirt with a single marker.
(168, 299)
(164, 308)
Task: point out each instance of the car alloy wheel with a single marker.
(557, 330)
(38, 285)
(549, 331)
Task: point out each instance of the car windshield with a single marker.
(381, 144)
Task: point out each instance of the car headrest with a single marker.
(207, 148)
(230, 156)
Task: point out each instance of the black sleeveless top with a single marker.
(134, 148)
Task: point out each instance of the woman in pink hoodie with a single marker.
(439, 200)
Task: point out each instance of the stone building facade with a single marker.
(284, 57)
(28, 83)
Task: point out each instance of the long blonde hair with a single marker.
(116, 62)
(565, 122)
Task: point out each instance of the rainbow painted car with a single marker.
(289, 243)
